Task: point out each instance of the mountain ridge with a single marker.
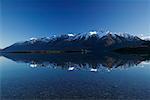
(91, 41)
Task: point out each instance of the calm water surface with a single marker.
(23, 79)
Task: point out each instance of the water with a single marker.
(74, 76)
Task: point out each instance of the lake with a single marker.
(74, 76)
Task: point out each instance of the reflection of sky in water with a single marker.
(19, 80)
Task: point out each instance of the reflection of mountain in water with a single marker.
(79, 61)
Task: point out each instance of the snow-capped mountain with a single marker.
(84, 36)
(93, 41)
(145, 37)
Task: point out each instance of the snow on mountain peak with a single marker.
(126, 35)
(108, 32)
(33, 38)
(93, 32)
(70, 34)
(143, 37)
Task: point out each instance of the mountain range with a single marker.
(96, 42)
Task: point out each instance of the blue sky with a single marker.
(23, 19)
